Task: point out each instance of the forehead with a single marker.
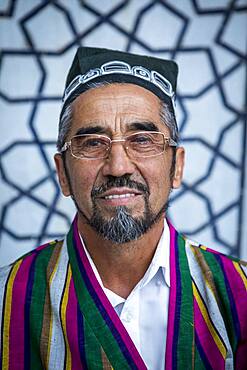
(115, 106)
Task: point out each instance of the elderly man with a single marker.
(123, 290)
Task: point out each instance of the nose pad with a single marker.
(118, 162)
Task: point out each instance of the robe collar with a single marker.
(107, 326)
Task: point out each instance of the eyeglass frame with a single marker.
(167, 140)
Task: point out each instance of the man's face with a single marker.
(118, 192)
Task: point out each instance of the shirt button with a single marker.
(158, 282)
(128, 317)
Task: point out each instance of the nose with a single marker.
(118, 163)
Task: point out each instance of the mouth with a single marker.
(119, 196)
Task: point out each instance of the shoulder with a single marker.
(219, 285)
(211, 254)
(22, 267)
(212, 265)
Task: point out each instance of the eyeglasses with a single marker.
(137, 145)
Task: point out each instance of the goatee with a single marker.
(123, 227)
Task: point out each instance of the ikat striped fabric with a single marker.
(55, 315)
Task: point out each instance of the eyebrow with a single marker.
(133, 126)
(143, 126)
(90, 130)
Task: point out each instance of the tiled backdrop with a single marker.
(207, 38)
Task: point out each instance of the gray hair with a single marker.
(168, 118)
(66, 118)
(65, 122)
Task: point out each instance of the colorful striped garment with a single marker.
(55, 315)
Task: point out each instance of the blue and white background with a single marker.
(208, 39)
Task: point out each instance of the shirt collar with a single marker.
(160, 260)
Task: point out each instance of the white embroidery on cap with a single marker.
(141, 72)
(115, 66)
(119, 67)
(93, 73)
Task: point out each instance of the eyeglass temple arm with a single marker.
(65, 146)
(172, 142)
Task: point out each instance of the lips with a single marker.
(119, 193)
(119, 187)
(118, 196)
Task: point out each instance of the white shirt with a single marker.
(144, 313)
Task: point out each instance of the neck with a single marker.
(121, 266)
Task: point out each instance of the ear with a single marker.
(62, 177)
(179, 168)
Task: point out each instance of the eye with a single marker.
(93, 143)
(141, 139)
(86, 145)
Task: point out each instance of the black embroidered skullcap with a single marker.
(98, 65)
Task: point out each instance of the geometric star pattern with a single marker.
(207, 39)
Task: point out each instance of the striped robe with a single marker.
(55, 315)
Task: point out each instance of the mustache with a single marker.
(118, 182)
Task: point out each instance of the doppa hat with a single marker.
(97, 65)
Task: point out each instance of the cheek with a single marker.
(158, 177)
(83, 180)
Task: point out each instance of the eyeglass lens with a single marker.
(98, 146)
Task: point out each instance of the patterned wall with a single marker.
(207, 38)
